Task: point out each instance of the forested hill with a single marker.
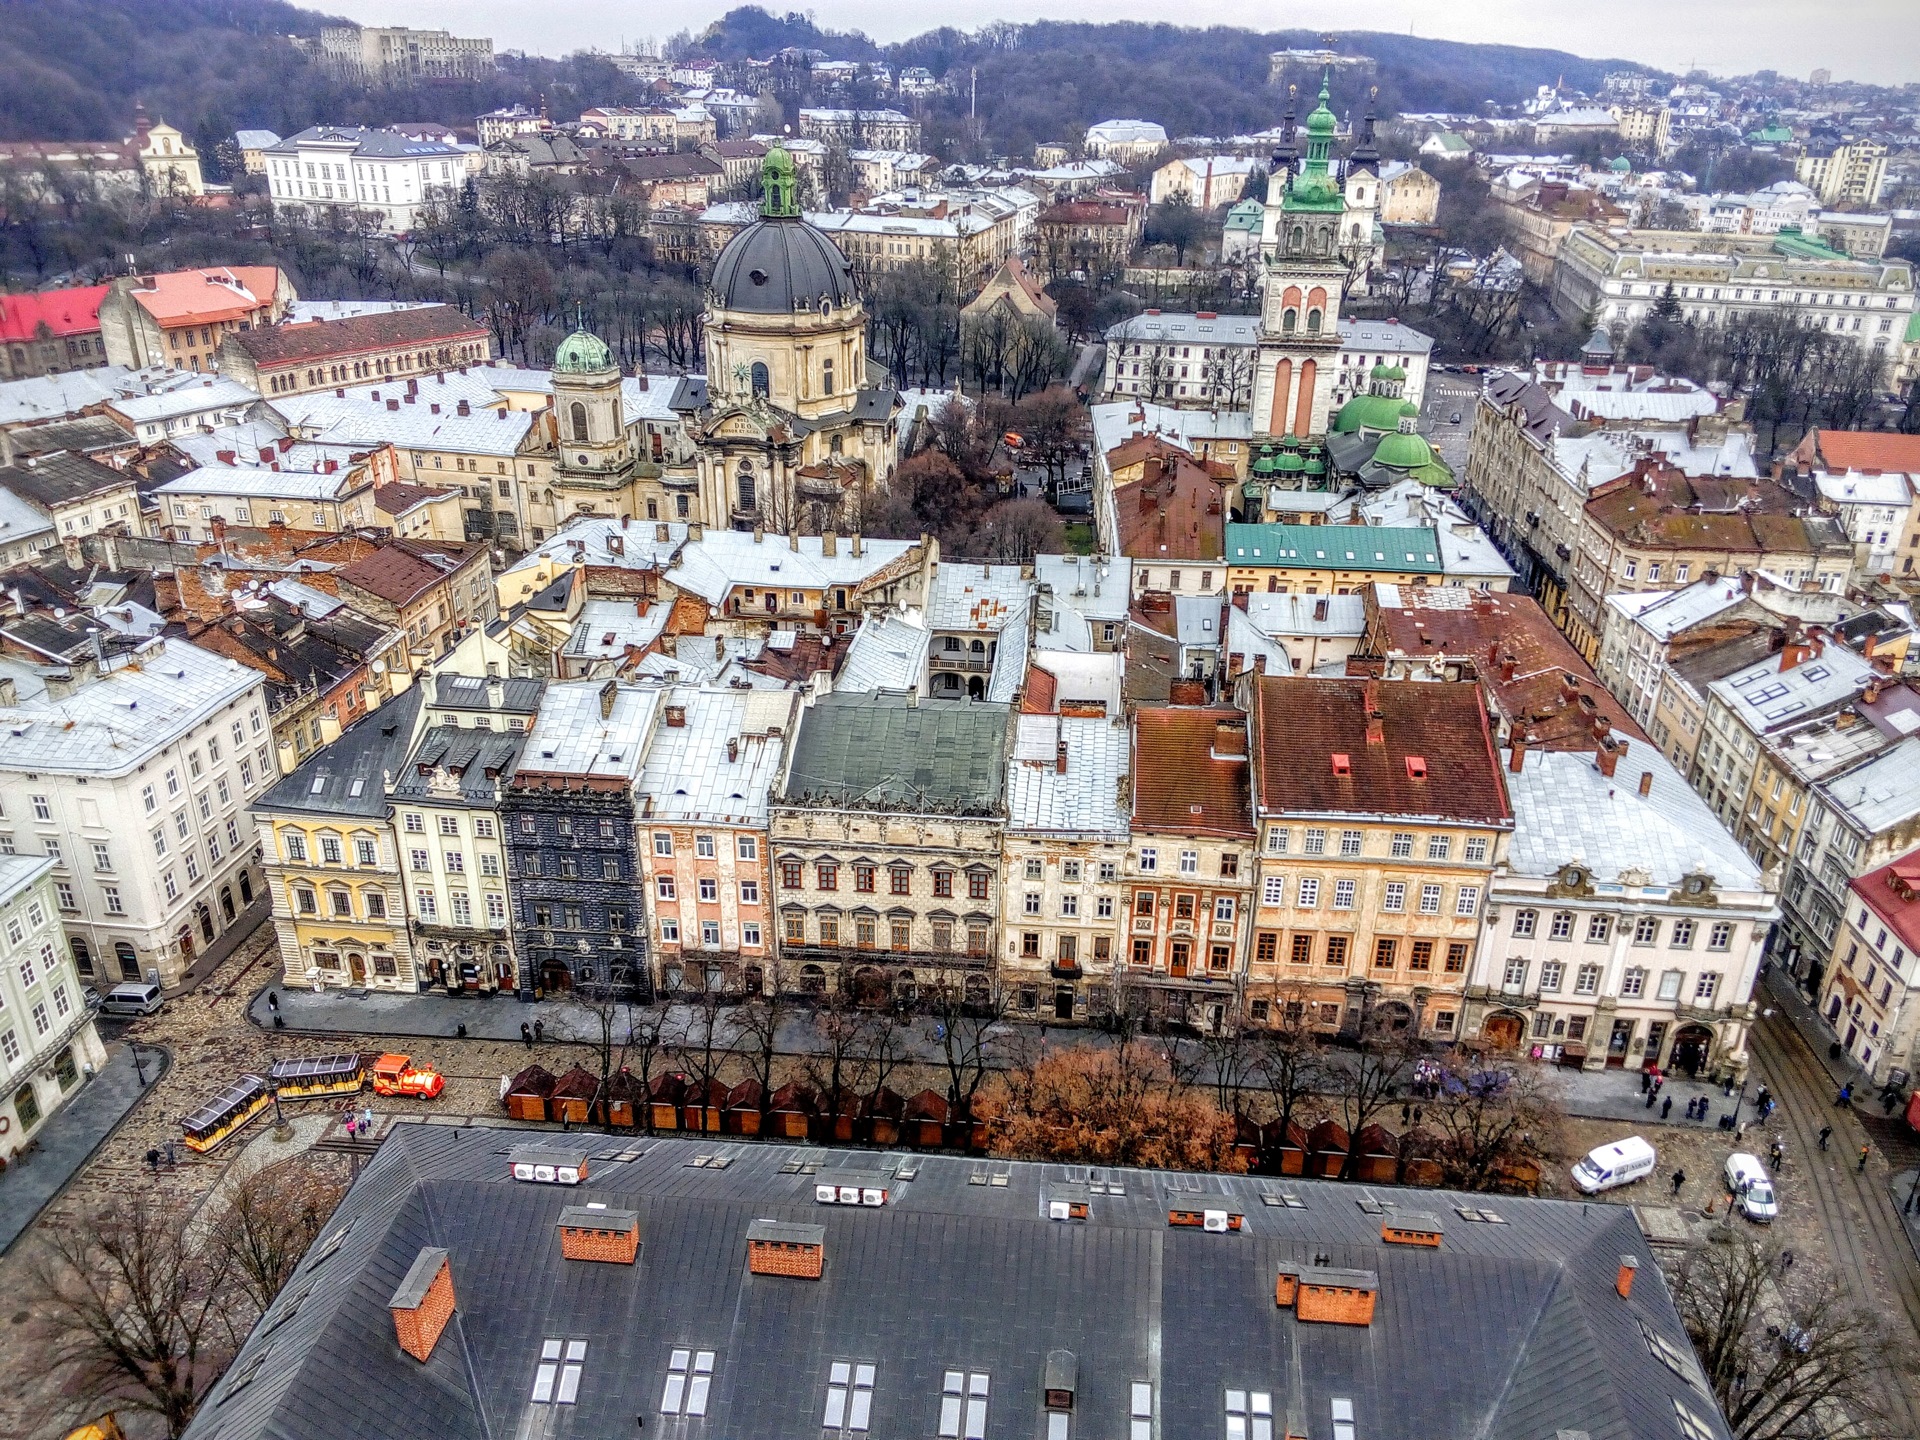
(75, 69)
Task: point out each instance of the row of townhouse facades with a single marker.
(1335, 854)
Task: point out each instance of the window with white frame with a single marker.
(1705, 987)
(1430, 899)
(1467, 900)
(1551, 973)
(1393, 897)
(1514, 977)
(1307, 893)
(1273, 890)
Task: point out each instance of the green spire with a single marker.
(779, 198)
(1313, 188)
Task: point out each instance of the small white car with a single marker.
(1752, 1188)
(1621, 1163)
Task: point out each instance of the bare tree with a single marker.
(139, 1313)
(274, 1215)
(605, 1019)
(1797, 1362)
(968, 1030)
(1490, 1117)
(757, 1026)
(1290, 1064)
(703, 1044)
(1364, 1082)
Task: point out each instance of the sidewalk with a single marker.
(71, 1135)
(1780, 990)
(1902, 1187)
(1615, 1095)
(236, 935)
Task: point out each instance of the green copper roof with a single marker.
(1394, 372)
(1403, 450)
(1791, 242)
(582, 352)
(779, 195)
(1290, 463)
(1368, 412)
(1401, 549)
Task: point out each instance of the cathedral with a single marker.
(797, 423)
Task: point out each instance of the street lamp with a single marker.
(138, 1068)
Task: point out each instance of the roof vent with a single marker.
(1416, 767)
(548, 1164)
(1412, 1229)
(1342, 763)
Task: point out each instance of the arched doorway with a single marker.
(226, 903)
(205, 917)
(813, 980)
(1502, 1031)
(1393, 1017)
(356, 967)
(1692, 1048)
(127, 958)
(976, 688)
(977, 991)
(82, 957)
(246, 889)
(870, 987)
(185, 941)
(554, 976)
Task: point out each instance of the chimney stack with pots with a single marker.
(423, 1304)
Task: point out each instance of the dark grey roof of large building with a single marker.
(60, 478)
(349, 776)
(480, 761)
(881, 752)
(778, 266)
(518, 694)
(1511, 1330)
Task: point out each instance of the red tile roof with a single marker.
(1509, 645)
(356, 335)
(402, 570)
(1041, 693)
(200, 297)
(1190, 771)
(1870, 450)
(63, 312)
(1893, 893)
(1315, 753)
(399, 497)
(1176, 511)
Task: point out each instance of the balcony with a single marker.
(964, 661)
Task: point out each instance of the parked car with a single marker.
(1752, 1188)
(92, 998)
(131, 1000)
(1608, 1166)
(1454, 418)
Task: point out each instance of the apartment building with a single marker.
(1871, 997)
(861, 129)
(75, 496)
(1626, 928)
(575, 874)
(1851, 175)
(325, 354)
(1189, 878)
(1383, 817)
(202, 503)
(132, 773)
(47, 332)
(889, 790)
(714, 758)
(181, 318)
(351, 171)
(47, 1038)
(1065, 902)
(399, 54)
(333, 868)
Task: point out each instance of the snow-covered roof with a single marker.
(1096, 587)
(1665, 613)
(976, 598)
(1083, 801)
(257, 482)
(1565, 809)
(723, 559)
(570, 735)
(1114, 424)
(718, 766)
(605, 628)
(1308, 615)
(888, 652)
(1857, 487)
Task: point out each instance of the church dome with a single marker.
(780, 265)
(1403, 450)
(1368, 412)
(582, 353)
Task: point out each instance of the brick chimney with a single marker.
(1607, 756)
(593, 1232)
(1646, 782)
(1623, 1281)
(1060, 757)
(1517, 740)
(609, 692)
(775, 1247)
(423, 1304)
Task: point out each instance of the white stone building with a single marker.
(1627, 927)
(133, 775)
(47, 1038)
(385, 176)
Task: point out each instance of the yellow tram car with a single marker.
(319, 1075)
(227, 1112)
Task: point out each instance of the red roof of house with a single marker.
(356, 335)
(1175, 511)
(1190, 771)
(200, 297)
(63, 312)
(1041, 694)
(1893, 893)
(1433, 756)
(401, 570)
(1870, 450)
(399, 497)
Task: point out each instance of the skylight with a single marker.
(1250, 1415)
(689, 1379)
(556, 1380)
(1343, 1428)
(1140, 1425)
(849, 1396)
(963, 1406)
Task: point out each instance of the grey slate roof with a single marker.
(366, 752)
(1508, 1331)
(877, 750)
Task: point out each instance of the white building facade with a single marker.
(47, 1038)
(329, 169)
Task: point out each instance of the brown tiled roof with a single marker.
(356, 335)
(1176, 511)
(1512, 648)
(401, 570)
(1085, 212)
(399, 497)
(1190, 771)
(1133, 450)
(1301, 725)
(1041, 693)
(679, 166)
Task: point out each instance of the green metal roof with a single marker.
(1403, 451)
(1368, 412)
(1791, 241)
(878, 751)
(1407, 550)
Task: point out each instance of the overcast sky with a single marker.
(1873, 40)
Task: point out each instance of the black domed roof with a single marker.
(778, 266)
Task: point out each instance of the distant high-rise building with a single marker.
(1852, 175)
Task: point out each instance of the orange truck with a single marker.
(398, 1075)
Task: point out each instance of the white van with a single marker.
(1752, 1189)
(1620, 1163)
(136, 997)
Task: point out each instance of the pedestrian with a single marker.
(1679, 1179)
(462, 1030)
(540, 1031)
(1659, 1082)
(170, 1159)
(153, 1160)
(1846, 1095)
(1646, 1082)
(1650, 1099)
(1786, 1261)
(273, 1002)
(1666, 1107)
(350, 1123)
(526, 1034)
(1865, 1150)
(1826, 1134)
(1773, 1153)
